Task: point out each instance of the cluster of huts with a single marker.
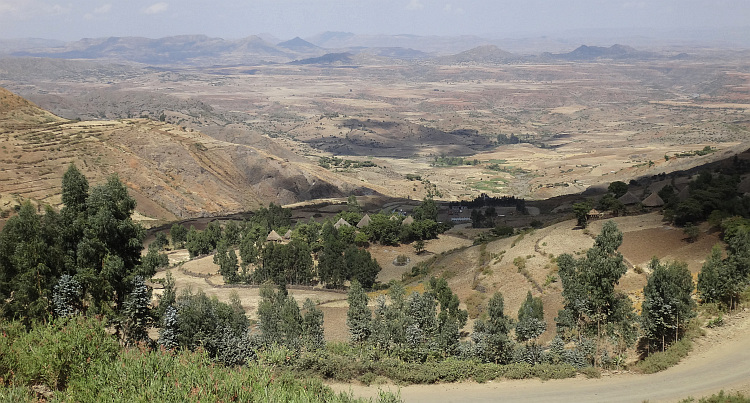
(653, 201)
(273, 236)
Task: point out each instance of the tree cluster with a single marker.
(86, 258)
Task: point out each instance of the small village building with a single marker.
(341, 223)
(653, 201)
(629, 199)
(408, 221)
(594, 214)
(273, 236)
(365, 221)
(288, 235)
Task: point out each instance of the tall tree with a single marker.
(110, 250)
(312, 326)
(581, 211)
(359, 316)
(531, 322)
(491, 335)
(591, 305)
(668, 304)
(450, 319)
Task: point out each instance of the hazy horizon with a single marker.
(713, 20)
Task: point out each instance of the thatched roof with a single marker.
(274, 237)
(653, 201)
(288, 234)
(684, 194)
(629, 198)
(365, 221)
(341, 222)
(408, 221)
(593, 212)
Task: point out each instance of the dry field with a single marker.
(587, 123)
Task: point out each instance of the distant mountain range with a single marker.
(325, 48)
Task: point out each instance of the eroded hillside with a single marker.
(173, 172)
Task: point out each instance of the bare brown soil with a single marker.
(587, 124)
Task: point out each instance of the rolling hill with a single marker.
(173, 172)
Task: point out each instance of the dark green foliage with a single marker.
(285, 264)
(232, 233)
(202, 321)
(618, 188)
(531, 322)
(450, 319)
(360, 266)
(75, 189)
(352, 205)
(280, 317)
(178, 234)
(203, 242)
(93, 239)
(384, 230)
(503, 231)
(227, 262)
(661, 360)
(483, 220)
(710, 192)
(581, 211)
(592, 307)
(426, 211)
(609, 202)
(359, 316)
(668, 194)
(312, 326)
(152, 261)
(28, 266)
(273, 217)
(160, 241)
(721, 280)
(491, 335)
(667, 305)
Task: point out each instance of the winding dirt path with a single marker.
(720, 360)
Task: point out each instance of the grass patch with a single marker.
(720, 397)
(77, 360)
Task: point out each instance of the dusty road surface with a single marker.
(721, 360)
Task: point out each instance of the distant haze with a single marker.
(721, 21)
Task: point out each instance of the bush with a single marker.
(662, 360)
(55, 353)
(721, 397)
(80, 362)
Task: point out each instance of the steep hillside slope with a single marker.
(173, 172)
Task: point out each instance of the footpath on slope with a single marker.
(719, 361)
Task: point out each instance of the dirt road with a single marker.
(721, 360)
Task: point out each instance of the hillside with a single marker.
(173, 172)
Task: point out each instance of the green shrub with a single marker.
(721, 397)
(55, 353)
